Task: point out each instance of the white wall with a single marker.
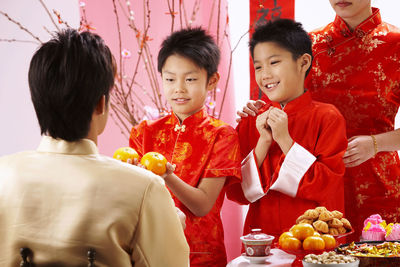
(19, 129)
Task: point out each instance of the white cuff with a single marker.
(251, 183)
(297, 161)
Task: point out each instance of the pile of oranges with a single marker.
(303, 236)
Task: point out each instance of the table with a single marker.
(276, 258)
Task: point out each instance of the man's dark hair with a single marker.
(286, 33)
(68, 75)
(194, 44)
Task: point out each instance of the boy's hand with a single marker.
(182, 217)
(263, 127)
(278, 121)
(251, 109)
(170, 170)
(134, 162)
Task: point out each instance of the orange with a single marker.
(155, 162)
(313, 243)
(125, 153)
(317, 234)
(283, 236)
(330, 241)
(302, 230)
(291, 243)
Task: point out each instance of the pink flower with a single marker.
(126, 53)
(82, 4)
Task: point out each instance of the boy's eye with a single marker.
(257, 67)
(191, 79)
(275, 62)
(169, 79)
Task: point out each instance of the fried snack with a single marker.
(325, 216)
(321, 226)
(309, 221)
(333, 231)
(342, 230)
(320, 209)
(337, 214)
(336, 223)
(311, 214)
(346, 223)
(300, 218)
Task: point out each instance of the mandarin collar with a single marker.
(293, 106)
(193, 119)
(81, 147)
(363, 28)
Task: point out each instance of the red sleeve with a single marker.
(225, 156)
(324, 179)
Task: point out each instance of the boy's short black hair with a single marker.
(68, 75)
(194, 44)
(286, 33)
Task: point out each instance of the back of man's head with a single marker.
(68, 75)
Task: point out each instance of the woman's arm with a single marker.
(363, 147)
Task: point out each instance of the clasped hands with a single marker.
(273, 125)
(360, 148)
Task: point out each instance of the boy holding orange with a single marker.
(202, 152)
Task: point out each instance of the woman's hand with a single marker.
(360, 149)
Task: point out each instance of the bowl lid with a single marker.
(256, 234)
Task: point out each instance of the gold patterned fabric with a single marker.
(359, 72)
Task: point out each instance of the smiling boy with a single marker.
(293, 149)
(202, 152)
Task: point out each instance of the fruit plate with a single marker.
(370, 261)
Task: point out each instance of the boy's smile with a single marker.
(185, 85)
(278, 75)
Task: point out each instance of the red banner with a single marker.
(262, 11)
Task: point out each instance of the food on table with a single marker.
(385, 249)
(321, 226)
(393, 231)
(303, 236)
(325, 221)
(155, 162)
(314, 243)
(330, 241)
(302, 231)
(126, 153)
(374, 219)
(291, 243)
(376, 229)
(329, 258)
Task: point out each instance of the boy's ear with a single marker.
(305, 61)
(101, 106)
(213, 81)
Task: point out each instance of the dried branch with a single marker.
(21, 27)
(18, 41)
(48, 13)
